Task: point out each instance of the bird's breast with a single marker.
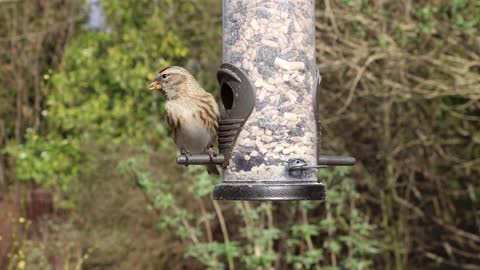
(189, 131)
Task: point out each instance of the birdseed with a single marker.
(273, 41)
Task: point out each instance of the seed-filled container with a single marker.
(268, 130)
(274, 154)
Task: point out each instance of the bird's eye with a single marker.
(164, 76)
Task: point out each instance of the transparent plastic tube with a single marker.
(273, 41)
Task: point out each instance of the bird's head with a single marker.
(173, 81)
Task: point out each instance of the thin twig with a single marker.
(369, 60)
(308, 239)
(208, 227)
(223, 226)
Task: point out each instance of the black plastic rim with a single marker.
(269, 191)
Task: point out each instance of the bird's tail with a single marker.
(212, 169)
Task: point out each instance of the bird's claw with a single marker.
(185, 153)
(211, 153)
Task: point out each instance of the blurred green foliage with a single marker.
(344, 233)
(100, 90)
(50, 161)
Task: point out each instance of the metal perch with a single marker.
(202, 159)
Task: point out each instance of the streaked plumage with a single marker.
(191, 112)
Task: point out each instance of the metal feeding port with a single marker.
(268, 133)
(238, 101)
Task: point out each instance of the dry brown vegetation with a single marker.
(406, 104)
(32, 39)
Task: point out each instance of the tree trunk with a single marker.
(2, 158)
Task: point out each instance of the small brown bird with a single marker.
(191, 112)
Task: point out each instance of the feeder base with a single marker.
(269, 191)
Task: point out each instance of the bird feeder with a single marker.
(268, 133)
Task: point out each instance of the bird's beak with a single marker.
(154, 86)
